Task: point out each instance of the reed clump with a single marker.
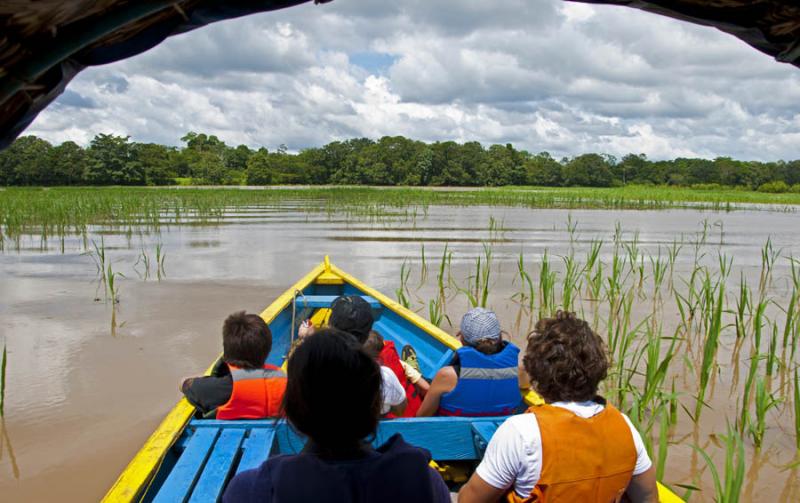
(675, 379)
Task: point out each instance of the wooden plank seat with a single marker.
(213, 450)
(321, 301)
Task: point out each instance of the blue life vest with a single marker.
(488, 385)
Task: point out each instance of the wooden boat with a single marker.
(189, 459)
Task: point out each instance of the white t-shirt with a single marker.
(392, 392)
(514, 455)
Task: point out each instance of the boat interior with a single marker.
(209, 452)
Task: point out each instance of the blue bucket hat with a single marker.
(479, 324)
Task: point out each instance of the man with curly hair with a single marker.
(575, 447)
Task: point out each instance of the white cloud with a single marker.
(544, 75)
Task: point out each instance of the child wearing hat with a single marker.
(353, 315)
(482, 379)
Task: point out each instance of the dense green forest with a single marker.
(392, 160)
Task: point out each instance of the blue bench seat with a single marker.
(211, 451)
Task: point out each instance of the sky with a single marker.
(544, 75)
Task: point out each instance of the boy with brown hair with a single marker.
(242, 386)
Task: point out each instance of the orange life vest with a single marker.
(389, 358)
(583, 459)
(257, 393)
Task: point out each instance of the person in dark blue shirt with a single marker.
(333, 396)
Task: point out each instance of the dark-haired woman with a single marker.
(482, 379)
(338, 464)
(576, 447)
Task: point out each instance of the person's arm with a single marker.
(504, 462)
(207, 393)
(393, 393)
(443, 382)
(643, 487)
(399, 409)
(477, 490)
(523, 378)
(305, 329)
(415, 378)
(423, 386)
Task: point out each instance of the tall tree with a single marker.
(259, 168)
(111, 162)
(542, 169)
(157, 161)
(588, 170)
(68, 163)
(26, 162)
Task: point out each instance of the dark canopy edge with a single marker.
(39, 59)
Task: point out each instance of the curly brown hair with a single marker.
(565, 358)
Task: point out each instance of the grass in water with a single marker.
(3, 381)
(764, 402)
(161, 257)
(713, 331)
(58, 212)
(796, 408)
(728, 486)
(402, 290)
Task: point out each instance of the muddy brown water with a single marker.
(80, 401)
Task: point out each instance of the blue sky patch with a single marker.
(373, 62)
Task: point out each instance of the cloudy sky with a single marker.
(541, 74)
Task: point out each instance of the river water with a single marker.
(81, 398)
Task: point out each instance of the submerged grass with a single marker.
(797, 408)
(728, 486)
(54, 212)
(3, 381)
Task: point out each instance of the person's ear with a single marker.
(460, 336)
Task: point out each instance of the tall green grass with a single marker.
(57, 212)
(728, 485)
(3, 364)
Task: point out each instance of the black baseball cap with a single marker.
(352, 314)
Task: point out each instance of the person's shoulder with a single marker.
(520, 431)
(247, 486)
(397, 448)
(523, 425)
(447, 372)
(628, 421)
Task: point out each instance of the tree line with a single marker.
(391, 160)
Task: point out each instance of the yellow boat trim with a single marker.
(131, 484)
